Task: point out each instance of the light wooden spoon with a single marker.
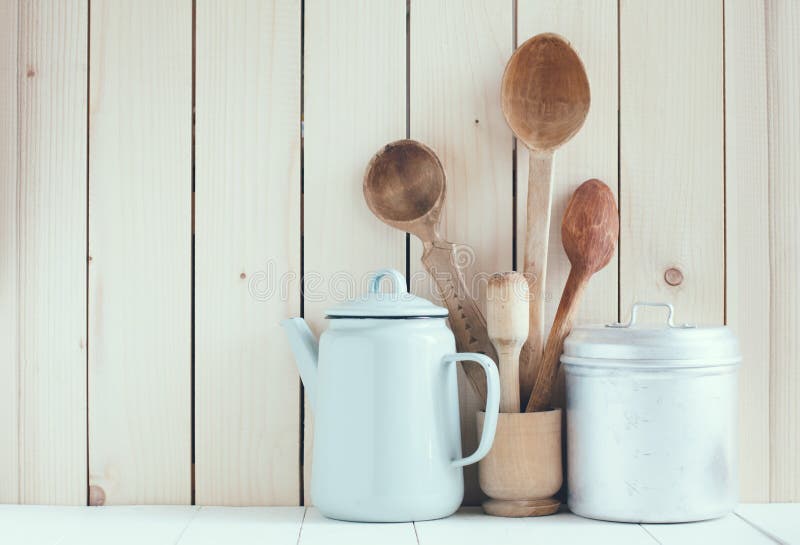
(507, 322)
(545, 99)
(589, 232)
(404, 186)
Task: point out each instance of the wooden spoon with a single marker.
(404, 186)
(545, 99)
(589, 232)
(507, 321)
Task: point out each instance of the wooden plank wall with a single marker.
(671, 157)
(783, 90)
(747, 257)
(160, 211)
(51, 251)
(9, 396)
(247, 252)
(140, 268)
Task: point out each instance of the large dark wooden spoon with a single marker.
(589, 232)
(404, 186)
(545, 99)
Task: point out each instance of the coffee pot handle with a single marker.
(492, 404)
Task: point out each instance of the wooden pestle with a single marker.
(507, 314)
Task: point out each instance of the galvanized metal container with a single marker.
(651, 421)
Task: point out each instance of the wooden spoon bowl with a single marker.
(545, 92)
(404, 186)
(590, 227)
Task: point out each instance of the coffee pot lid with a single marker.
(396, 303)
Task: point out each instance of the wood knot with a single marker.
(31, 72)
(673, 276)
(97, 496)
(243, 276)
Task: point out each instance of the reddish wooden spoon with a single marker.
(589, 232)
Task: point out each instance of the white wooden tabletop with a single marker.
(188, 525)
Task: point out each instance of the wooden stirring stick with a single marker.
(507, 323)
(589, 232)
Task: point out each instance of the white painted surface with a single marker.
(244, 526)
(472, 527)
(190, 525)
(318, 530)
(38, 525)
(779, 520)
(731, 530)
(130, 525)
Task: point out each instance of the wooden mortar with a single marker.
(523, 470)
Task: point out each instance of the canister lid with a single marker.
(668, 344)
(396, 303)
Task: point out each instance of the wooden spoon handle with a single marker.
(466, 319)
(548, 368)
(537, 235)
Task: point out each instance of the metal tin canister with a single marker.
(651, 421)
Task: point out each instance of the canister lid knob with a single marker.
(637, 305)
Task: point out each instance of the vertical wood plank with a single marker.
(457, 53)
(591, 28)
(140, 248)
(52, 251)
(9, 313)
(247, 252)
(355, 102)
(746, 230)
(783, 69)
(671, 153)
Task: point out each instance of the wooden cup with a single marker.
(523, 471)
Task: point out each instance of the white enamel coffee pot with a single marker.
(382, 385)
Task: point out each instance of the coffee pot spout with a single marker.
(306, 353)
